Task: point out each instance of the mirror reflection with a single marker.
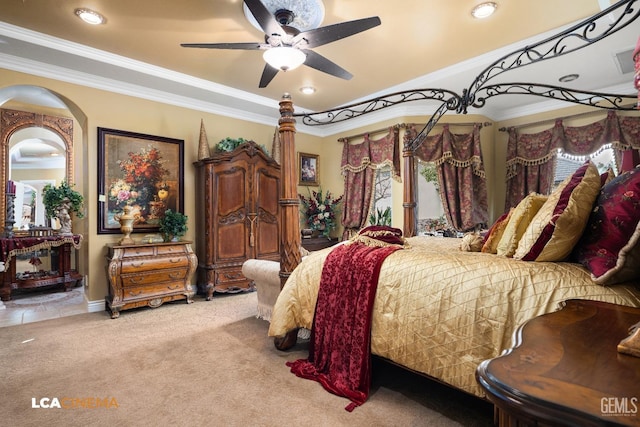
(37, 156)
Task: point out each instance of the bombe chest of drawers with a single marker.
(149, 275)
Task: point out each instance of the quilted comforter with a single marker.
(441, 311)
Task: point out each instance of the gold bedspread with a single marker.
(442, 311)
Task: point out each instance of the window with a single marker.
(567, 164)
(431, 219)
(380, 213)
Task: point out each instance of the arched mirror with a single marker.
(36, 149)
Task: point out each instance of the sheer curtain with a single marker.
(359, 164)
(531, 158)
(461, 177)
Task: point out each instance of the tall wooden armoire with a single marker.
(238, 216)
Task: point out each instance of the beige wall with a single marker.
(95, 108)
(111, 110)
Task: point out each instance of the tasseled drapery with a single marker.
(359, 164)
(461, 175)
(531, 157)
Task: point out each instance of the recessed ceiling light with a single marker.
(89, 16)
(484, 10)
(308, 90)
(568, 78)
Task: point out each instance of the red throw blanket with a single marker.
(340, 343)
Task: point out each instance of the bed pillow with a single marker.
(610, 245)
(494, 235)
(606, 177)
(559, 223)
(518, 223)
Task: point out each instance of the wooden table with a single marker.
(318, 243)
(565, 370)
(61, 273)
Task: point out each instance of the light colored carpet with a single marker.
(209, 363)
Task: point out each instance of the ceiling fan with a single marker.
(286, 47)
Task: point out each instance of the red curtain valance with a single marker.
(373, 154)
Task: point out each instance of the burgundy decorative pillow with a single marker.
(610, 245)
(379, 235)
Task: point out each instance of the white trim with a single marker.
(96, 306)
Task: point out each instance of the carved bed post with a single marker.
(289, 202)
(409, 202)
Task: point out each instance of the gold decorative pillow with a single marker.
(518, 223)
(560, 222)
(495, 233)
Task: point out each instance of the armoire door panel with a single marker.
(268, 193)
(269, 242)
(231, 242)
(230, 191)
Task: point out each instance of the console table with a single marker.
(149, 274)
(565, 370)
(64, 276)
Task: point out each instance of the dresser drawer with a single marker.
(160, 289)
(137, 251)
(136, 265)
(171, 249)
(154, 276)
(229, 275)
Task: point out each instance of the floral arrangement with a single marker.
(320, 210)
(142, 173)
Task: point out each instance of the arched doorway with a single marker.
(31, 112)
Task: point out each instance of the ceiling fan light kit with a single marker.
(291, 31)
(284, 58)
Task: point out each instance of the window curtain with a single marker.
(531, 158)
(461, 177)
(359, 164)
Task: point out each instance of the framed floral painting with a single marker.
(142, 171)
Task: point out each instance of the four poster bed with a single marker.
(439, 310)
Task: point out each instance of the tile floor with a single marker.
(36, 305)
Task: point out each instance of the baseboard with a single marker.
(95, 306)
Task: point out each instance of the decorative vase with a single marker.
(126, 226)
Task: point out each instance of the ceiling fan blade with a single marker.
(320, 63)
(265, 18)
(323, 35)
(268, 74)
(243, 46)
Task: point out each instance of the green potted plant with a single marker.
(173, 225)
(60, 202)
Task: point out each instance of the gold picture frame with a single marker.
(308, 169)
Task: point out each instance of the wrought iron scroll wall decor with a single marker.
(572, 39)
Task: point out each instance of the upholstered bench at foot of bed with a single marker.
(266, 277)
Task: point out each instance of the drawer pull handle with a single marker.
(175, 275)
(134, 294)
(138, 265)
(173, 288)
(175, 261)
(136, 279)
(232, 275)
